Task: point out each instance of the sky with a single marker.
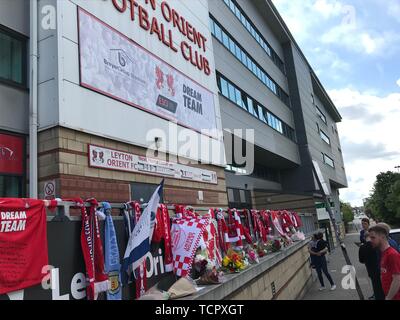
(354, 47)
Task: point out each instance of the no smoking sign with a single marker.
(50, 189)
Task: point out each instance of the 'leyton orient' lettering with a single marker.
(154, 27)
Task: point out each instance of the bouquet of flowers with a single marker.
(261, 249)
(234, 261)
(251, 255)
(274, 245)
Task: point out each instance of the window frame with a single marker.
(24, 58)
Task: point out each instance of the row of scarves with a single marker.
(182, 236)
(253, 225)
(103, 268)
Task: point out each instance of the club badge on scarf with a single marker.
(92, 250)
(23, 243)
(112, 258)
(186, 234)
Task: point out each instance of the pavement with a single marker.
(335, 267)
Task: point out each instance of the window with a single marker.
(243, 100)
(320, 114)
(263, 172)
(255, 33)
(328, 160)
(239, 199)
(225, 40)
(218, 32)
(231, 44)
(11, 187)
(224, 88)
(324, 137)
(13, 57)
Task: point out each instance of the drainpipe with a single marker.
(33, 100)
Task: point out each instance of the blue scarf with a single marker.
(112, 259)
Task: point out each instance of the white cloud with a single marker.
(398, 82)
(337, 23)
(393, 9)
(369, 147)
(328, 9)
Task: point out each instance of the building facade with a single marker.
(111, 76)
(267, 84)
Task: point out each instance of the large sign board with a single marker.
(105, 158)
(116, 66)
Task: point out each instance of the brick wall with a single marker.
(63, 157)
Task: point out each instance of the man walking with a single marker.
(369, 256)
(389, 264)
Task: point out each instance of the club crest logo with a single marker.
(113, 277)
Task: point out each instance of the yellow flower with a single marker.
(226, 261)
(238, 264)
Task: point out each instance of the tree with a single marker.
(384, 202)
(347, 211)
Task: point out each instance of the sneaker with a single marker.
(333, 287)
(321, 289)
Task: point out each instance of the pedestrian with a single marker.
(389, 262)
(391, 241)
(311, 248)
(365, 226)
(321, 265)
(369, 256)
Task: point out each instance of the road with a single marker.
(335, 266)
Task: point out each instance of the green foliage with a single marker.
(384, 201)
(347, 211)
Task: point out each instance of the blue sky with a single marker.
(354, 47)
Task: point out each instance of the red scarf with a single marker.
(222, 231)
(259, 228)
(235, 229)
(92, 250)
(266, 220)
(286, 221)
(163, 231)
(246, 228)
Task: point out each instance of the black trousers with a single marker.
(322, 266)
(377, 287)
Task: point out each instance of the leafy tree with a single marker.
(384, 202)
(347, 211)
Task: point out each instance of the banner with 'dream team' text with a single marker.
(114, 65)
(23, 243)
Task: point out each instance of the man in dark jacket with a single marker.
(369, 256)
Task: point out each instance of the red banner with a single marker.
(23, 243)
(11, 154)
